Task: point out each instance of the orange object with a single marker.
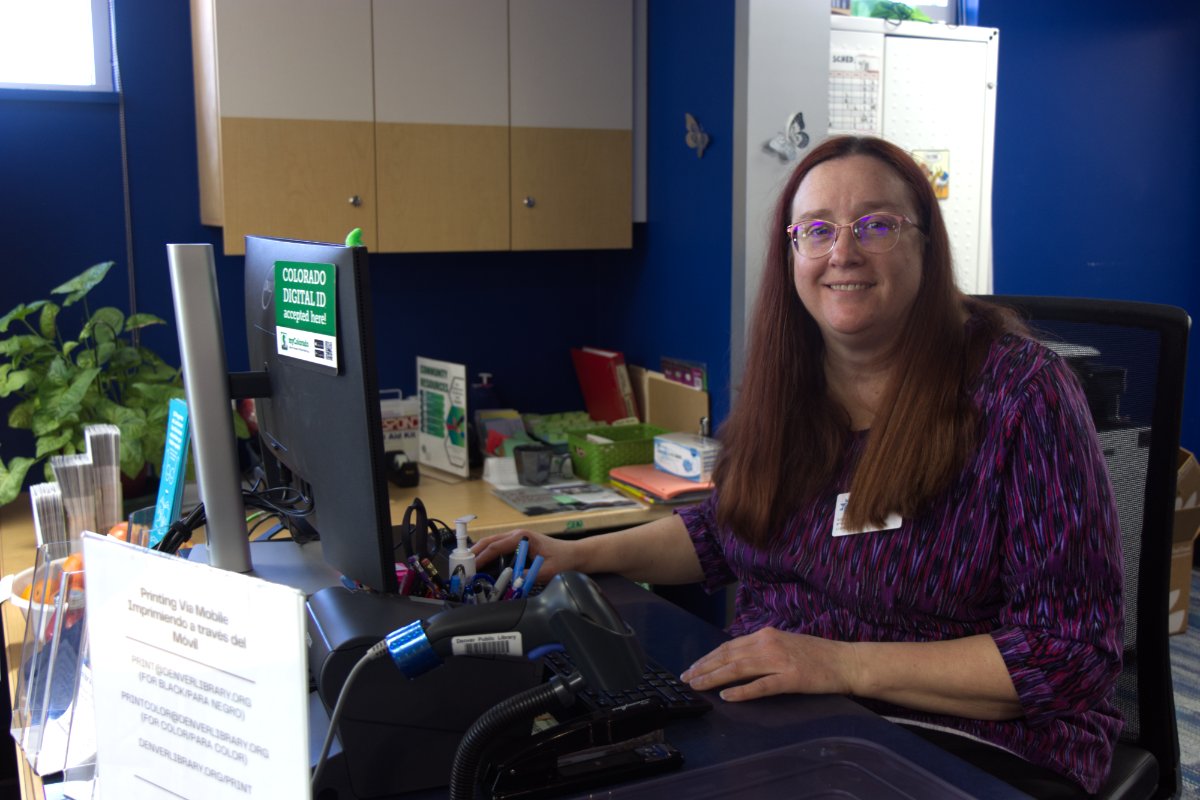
(74, 565)
(41, 592)
(120, 531)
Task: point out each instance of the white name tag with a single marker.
(892, 522)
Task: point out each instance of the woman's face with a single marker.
(860, 300)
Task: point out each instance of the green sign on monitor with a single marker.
(306, 312)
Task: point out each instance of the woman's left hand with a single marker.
(770, 661)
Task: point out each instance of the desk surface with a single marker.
(732, 734)
(449, 501)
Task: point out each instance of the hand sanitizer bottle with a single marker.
(462, 555)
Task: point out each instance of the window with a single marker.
(55, 44)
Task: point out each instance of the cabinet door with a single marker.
(296, 126)
(441, 113)
(571, 102)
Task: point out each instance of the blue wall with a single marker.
(1097, 116)
(1097, 176)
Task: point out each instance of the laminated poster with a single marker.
(442, 389)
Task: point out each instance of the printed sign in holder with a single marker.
(200, 678)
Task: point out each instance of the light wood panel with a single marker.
(295, 178)
(442, 187)
(581, 185)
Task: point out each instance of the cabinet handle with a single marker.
(529, 202)
(355, 201)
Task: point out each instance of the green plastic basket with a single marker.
(630, 444)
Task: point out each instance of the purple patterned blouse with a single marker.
(1024, 546)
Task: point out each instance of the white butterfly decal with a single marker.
(787, 145)
(696, 138)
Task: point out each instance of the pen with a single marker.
(522, 554)
(531, 576)
(501, 584)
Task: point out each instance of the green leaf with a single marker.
(12, 477)
(68, 401)
(137, 321)
(50, 445)
(19, 313)
(105, 325)
(84, 282)
(48, 321)
(19, 346)
(14, 380)
(58, 374)
(21, 416)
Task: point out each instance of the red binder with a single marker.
(604, 381)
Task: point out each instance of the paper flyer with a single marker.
(442, 389)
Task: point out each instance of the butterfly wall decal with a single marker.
(696, 138)
(788, 144)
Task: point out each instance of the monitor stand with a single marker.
(301, 566)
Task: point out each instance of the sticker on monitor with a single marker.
(306, 312)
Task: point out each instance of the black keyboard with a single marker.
(658, 684)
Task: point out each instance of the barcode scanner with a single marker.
(571, 611)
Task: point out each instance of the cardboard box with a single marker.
(1187, 525)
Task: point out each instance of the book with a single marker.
(604, 381)
(650, 484)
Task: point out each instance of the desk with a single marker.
(449, 501)
(728, 735)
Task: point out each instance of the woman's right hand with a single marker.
(561, 555)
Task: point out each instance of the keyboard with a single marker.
(658, 684)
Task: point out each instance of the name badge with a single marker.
(892, 522)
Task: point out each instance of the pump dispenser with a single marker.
(461, 556)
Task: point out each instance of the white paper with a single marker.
(200, 678)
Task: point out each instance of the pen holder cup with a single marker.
(53, 665)
(141, 529)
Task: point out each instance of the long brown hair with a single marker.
(785, 438)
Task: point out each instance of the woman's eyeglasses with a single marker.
(875, 233)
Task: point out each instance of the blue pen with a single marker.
(531, 576)
(522, 554)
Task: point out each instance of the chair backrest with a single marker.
(1131, 359)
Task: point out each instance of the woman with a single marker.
(910, 494)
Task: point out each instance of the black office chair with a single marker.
(1131, 359)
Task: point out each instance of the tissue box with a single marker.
(686, 455)
(1187, 524)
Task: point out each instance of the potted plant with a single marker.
(67, 379)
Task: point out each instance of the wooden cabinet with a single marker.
(434, 125)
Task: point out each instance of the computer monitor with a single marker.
(310, 339)
(309, 327)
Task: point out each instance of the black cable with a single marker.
(464, 773)
(375, 651)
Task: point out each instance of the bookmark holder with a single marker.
(52, 718)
